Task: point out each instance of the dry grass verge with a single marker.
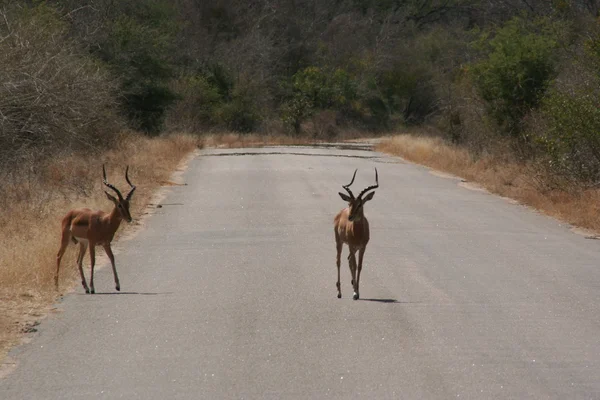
(33, 203)
(526, 183)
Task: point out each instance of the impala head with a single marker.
(121, 203)
(355, 204)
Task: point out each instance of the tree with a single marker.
(516, 71)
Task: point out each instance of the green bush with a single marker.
(211, 98)
(239, 115)
(314, 89)
(195, 107)
(516, 71)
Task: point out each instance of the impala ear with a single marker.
(345, 197)
(111, 198)
(368, 197)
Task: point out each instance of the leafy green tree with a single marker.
(138, 48)
(516, 71)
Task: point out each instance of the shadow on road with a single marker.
(381, 300)
(129, 293)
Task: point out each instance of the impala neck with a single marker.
(115, 218)
(361, 217)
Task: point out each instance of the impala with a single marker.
(92, 228)
(351, 227)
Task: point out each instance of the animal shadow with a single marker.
(127, 293)
(381, 300)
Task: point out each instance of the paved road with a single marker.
(229, 293)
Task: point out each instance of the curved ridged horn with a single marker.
(371, 187)
(347, 187)
(109, 185)
(130, 184)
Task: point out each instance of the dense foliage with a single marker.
(74, 72)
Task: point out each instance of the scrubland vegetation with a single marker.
(511, 76)
(507, 91)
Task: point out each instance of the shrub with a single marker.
(314, 89)
(572, 134)
(52, 97)
(571, 117)
(195, 107)
(211, 98)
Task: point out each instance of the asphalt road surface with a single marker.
(229, 293)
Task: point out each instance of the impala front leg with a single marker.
(361, 253)
(114, 268)
(338, 247)
(92, 262)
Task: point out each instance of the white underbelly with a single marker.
(82, 240)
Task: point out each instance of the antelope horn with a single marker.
(347, 187)
(109, 185)
(130, 184)
(371, 187)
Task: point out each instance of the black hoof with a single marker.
(355, 297)
(339, 296)
(87, 290)
(92, 291)
(118, 288)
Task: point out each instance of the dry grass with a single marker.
(33, 206)
(525, 182)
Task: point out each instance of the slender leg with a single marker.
(82, 250)
(361, 253)
(92, 262)
(352, 263)
(63, 246)
(112, 261)
(338, 246)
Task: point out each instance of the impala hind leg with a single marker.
(112, 262)
(338, 245)
(82, 250)
(64, 242)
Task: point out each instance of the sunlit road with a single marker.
(229, 293)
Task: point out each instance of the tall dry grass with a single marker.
(528, 183)
(36, 196)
